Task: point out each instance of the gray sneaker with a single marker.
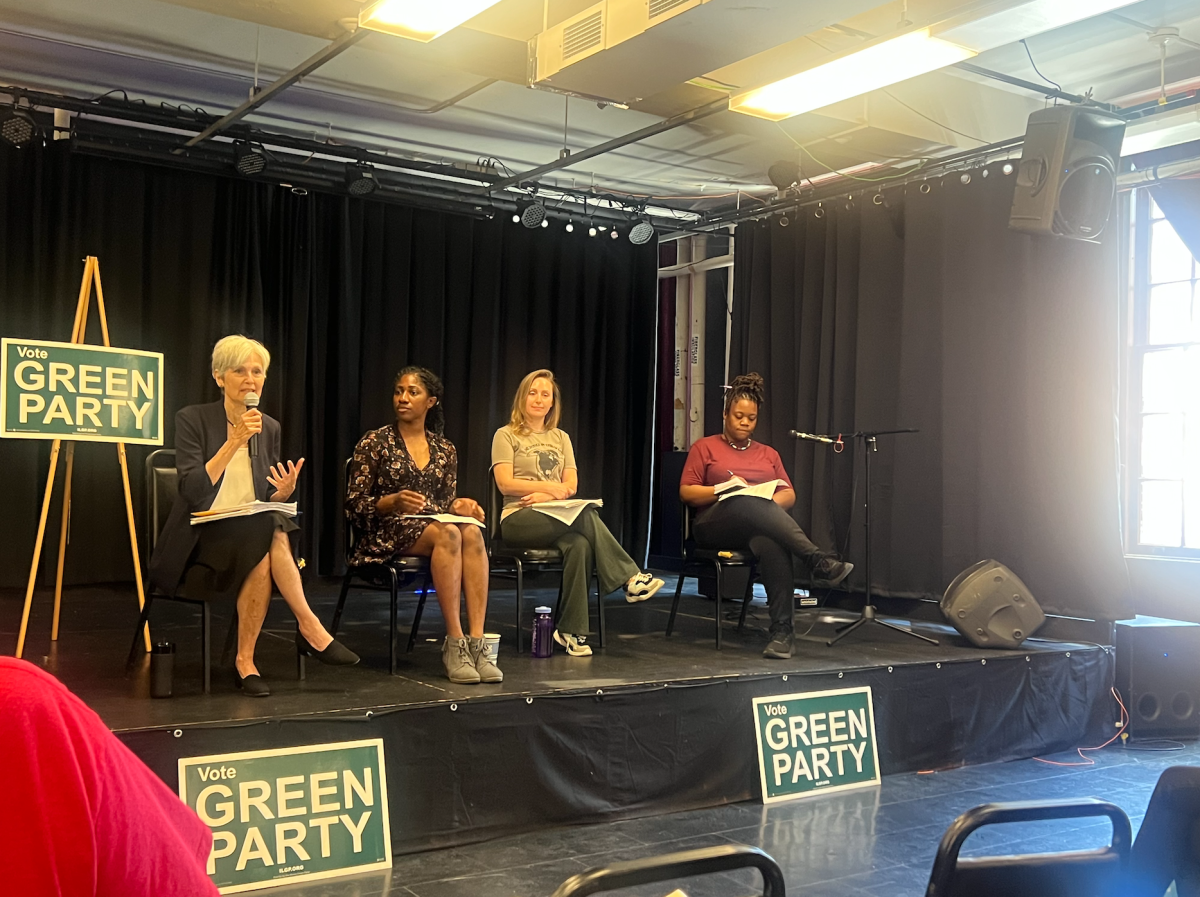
(781, 645)
(456, 657)
(488, 671)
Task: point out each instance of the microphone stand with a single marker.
(869, 613)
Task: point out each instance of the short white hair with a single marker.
(233, 351)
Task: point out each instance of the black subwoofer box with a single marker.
(1158, 676)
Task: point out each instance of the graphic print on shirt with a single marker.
(548, 462)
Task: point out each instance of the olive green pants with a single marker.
(585, 541)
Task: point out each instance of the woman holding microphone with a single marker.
(761, 525)
(238, 557)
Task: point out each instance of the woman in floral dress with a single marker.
(410, 468)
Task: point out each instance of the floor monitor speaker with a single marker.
(1067, 177)
(1158, 676)
(990, 605)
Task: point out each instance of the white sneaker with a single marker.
(641, 587)
(576, 645)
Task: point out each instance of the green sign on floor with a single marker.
(291, 814)
(815, 742)
(79, 392)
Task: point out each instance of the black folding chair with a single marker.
(1076, 873)
(383, 576)
(1167, 848)
(672, 866)
(515, 561)
(162, 488)
(697, 560)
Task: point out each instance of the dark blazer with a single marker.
(200, 431)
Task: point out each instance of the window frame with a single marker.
(1137, 224)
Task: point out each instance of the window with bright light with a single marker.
(1164, 389)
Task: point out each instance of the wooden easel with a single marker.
(91, 274)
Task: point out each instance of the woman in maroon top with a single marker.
(763, 526)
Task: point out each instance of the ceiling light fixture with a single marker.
(532, 212)
(420, 20)
(360, 180)
(641, 233)
(16, 126)
(247, 160)
(879, 63)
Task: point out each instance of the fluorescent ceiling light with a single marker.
(421, 20)
(868, 68)
(1004, 26)
(1165, 129)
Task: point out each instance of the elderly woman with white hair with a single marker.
(238, 557)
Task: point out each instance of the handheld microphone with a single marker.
(251, 404)
(796, 434)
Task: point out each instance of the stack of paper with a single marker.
(444, 518)
(250, 507)
(567, 509)
(730, 488)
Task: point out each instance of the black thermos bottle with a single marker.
(162, 666)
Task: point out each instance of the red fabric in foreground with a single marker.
(83, 816)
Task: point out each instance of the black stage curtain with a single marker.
(925, 310)
(343, 292)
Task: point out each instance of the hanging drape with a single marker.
(343, 292)
(922, 309)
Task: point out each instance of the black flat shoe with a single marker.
(252, 686)
(335, 654)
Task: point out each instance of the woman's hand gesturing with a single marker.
(283, 478)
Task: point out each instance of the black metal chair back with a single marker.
(1076, 873)
(672, 866)
(1167, 848)
(162, 486)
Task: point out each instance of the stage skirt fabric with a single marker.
(227, 550)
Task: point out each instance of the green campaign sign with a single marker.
(815, 742)
(79, 392)
(291, 814)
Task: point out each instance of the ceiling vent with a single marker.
(583, 35)
(625, 50)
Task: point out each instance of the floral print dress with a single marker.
(381, 466)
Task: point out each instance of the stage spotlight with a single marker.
(545, 222)
(641, 233)
(532, 213)
(360, 180)
(16, 127)
(602, 227)
(592, 231)
(783, 174)
(516, 218)
(247, 160)
(614, 233)
(570, 227)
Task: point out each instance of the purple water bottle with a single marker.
(543, 632)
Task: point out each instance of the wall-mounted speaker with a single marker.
(1158, 676)
(1067, 177)
(990, 605)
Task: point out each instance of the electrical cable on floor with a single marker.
(1159, 746)
(1088, 761)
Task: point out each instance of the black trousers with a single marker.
(772, 535)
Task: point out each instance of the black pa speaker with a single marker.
(1068, 173)
(990, 605)
(1158, 677)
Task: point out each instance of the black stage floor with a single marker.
(97, 626)
(647, 725)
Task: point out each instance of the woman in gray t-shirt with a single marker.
(533, 462)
